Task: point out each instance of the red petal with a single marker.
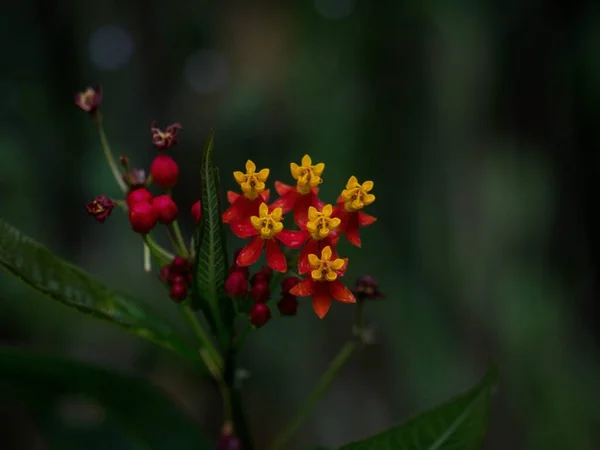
(232, 196)
(236, 210)
(312, 247)
(351, 229)
(304, 288)
(251, 252)
(282, 188)
(265, 195)
(275, 257)
(243, 228)
(301, 208)
(364, 219)
(292, 238)
(341, 292)
(340, 200)
(321, 302)
(286, 202)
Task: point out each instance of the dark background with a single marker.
(477, 121)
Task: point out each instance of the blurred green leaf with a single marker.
(77, 405)
(211, 266)
(459, 424)
(38, 267)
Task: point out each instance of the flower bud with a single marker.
(236, 284)
(260, 292)
(288, 283)
(180, 265)
(141, 195)
(366, 288)
(197, 211)
(100, 208)
(142, 217)
(166, 209)
(259, 314)
(288, 305)
(178, 292)
(263, 275)
(164, 171)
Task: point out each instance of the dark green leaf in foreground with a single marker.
(211, 255)
(38, 267)
(459, 424)
(77, 405)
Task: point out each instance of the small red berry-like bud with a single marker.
(197, 211)
(259, 314)
(163, 140)
(180, 265)
(288, 305)
(288, 283)
(236, 284)
(260, 292)
(165, 273)
(177, 279)
(263, 275)
(89, 100)
(142, 217)
(166, 209)
(367, 288)
(164, 171)
(141, 195)
(100, 208)
(178, 292)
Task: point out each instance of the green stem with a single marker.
(326, 379)
(177, 239)
(107, 152)
(210, 351)
(162, 256)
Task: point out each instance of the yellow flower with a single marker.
(325, 269)
(307, 175)
(356, 196)
(320, 224)
(251, 182)
(268, 224)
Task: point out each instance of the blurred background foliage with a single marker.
(478, 123)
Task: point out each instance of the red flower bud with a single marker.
(259, 314)
(163, 140)
(197, 211)
(89, 100)
(260, 292)
(164, 171)
(166, 209)
(180, 265)
(165, 273)
(367, 288)
(288, 283)
(288, 305)
(236, 284)
(142, 217)
(100, 208)
(263, 275)
(141, 195)
(178, 292)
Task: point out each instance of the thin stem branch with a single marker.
(177, 239)
(162, 256)
(108, 153)
(206, 343)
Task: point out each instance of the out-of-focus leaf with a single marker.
(208, 293)
(79, 405)
(38, 267)
(459, 424)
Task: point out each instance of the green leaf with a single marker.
(122, 411)
(211, 267)
(459, 424)
(38, 267)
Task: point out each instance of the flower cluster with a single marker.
(319, 227)
(178, 277)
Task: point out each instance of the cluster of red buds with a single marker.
(319, 227)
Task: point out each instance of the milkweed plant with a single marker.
(226, 296)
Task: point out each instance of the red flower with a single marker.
(304, 195)
(323, 283)
(354, 198)
(254, 192)
(100, 208)
(266, 229)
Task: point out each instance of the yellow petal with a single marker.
(367, 186)
(295, 170)
(323, 232)
(352, 182)
(250, 167)
(314, 261)
(259, 186)
(346, 194)
(318, 169)
(263, 175)
(263, 210)
(368, 199)
(327, 210)
(245, 187)
(306, 161)
(326, 253)
(311, 226)
(277, 214)
(337, 264)
(335, 222)
(331, 275)
(313, 214)
(277, 227)
(239, 176)
(316, 275)
(257, 222)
